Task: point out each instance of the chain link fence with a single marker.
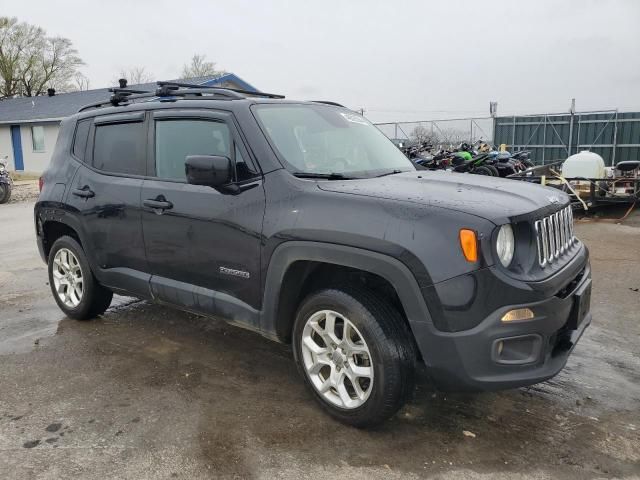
(445, 133)
(549, 137)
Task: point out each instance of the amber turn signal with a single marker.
(469, 244)
(518, 314)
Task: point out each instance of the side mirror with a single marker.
(210, 170)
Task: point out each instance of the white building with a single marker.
(29, 125)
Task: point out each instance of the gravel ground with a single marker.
(24, 191)
(150, 392)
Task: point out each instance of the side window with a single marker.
(176, 139)
(120, 148)
(80, 139)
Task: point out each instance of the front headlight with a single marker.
(505, 245)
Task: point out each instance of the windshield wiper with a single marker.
(324, 176)
(392, 172)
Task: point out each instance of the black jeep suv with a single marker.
(303, 222)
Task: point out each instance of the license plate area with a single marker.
(581, 305)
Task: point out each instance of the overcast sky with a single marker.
(400, 60)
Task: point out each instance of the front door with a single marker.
(202, 244)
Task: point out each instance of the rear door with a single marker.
(203, 248)
(106, 194)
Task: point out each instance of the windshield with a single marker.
(319, 139)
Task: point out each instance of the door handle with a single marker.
(158, 204)
(84, 192)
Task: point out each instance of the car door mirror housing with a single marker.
(210, 170)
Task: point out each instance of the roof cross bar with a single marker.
(117, 99)
(127, 90)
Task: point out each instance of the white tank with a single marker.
(584, 164)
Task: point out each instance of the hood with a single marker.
(496, 199)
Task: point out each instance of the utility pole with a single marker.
(493, 111)
(572, 111)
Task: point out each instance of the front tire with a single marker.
(74, 288)
(355, 353)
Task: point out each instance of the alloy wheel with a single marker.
(67, 278)
(337, 359)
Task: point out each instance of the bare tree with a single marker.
(135, 75)
(452, 136)
(80, 82)
(49, 62)
(31, 62)
(422, 134)
(200, 67)
(15, 40)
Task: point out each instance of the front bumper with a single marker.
(537, 349)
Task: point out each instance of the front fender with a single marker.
(392, 270)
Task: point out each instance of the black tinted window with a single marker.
(119, 148)
(80, 140)
(175, 139)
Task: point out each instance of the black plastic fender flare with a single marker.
(389, 268)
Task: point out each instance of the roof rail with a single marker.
(327, 102)
(213, 87)
(170, 90)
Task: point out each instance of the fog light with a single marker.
(518, 314)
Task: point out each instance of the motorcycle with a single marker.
(6, 183)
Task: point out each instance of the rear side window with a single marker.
(176, 139)
(80, 139)
(120, 148)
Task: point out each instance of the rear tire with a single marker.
(494, 170)
(483, 170)
(377, 353)
(74, 288)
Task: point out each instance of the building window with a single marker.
(37, 138)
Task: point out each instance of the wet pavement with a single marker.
(149, 392)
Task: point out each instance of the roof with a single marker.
(44, 108)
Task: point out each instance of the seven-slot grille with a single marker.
(554, 236)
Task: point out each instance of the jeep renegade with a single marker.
(303, 222)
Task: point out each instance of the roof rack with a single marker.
(170, 90)
(190, 86)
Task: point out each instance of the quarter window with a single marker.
(176, 139)
(80, 139)
(245, 170)
(37, 138)
(119, 148)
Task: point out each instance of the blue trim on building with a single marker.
(232, 77)
(16, 142)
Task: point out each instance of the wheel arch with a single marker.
(52, 230)
(294, 263)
